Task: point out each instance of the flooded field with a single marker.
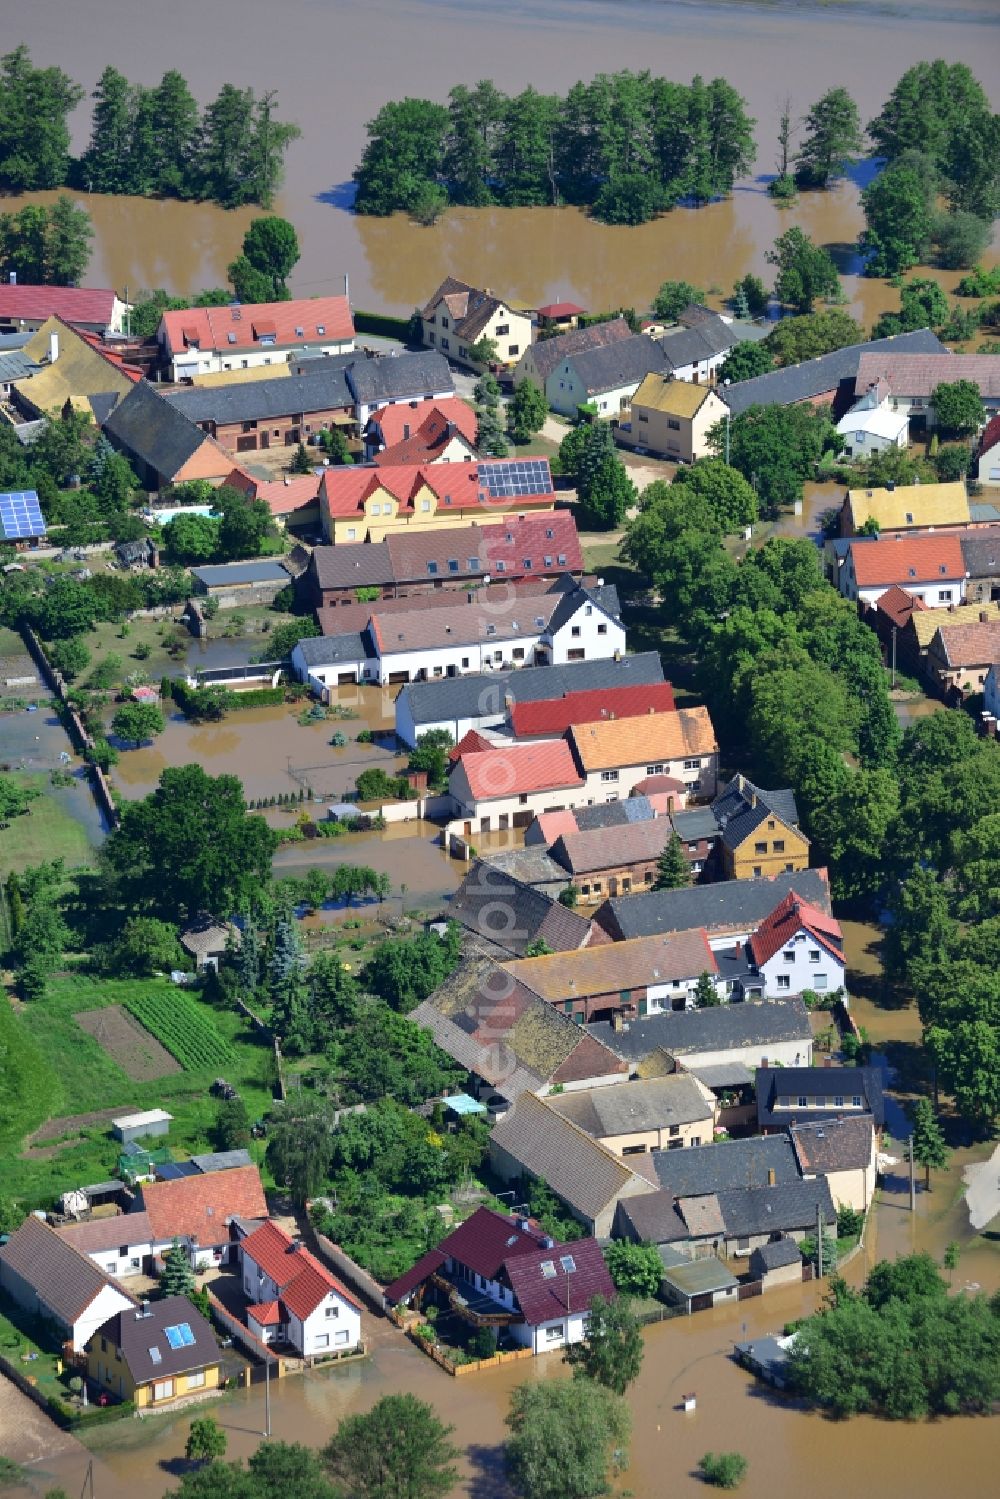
(331, 87)
(37, 742)
(410, 853)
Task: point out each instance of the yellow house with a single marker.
(673, 417)
(458, 316)
(905, 507)
(759, 831)
(154, 1353)
(365, 504)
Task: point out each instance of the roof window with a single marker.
(568, 1263)
(549, 1269)
(179, 1336)
(155, 1356)
(320, 328)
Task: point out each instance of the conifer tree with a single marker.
(178, 1277)
(672, 871)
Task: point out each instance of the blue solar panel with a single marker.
(522, 476)
(20, 516)
(180, 1336)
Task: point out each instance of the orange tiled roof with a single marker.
(520, 768)
(290, 323)
(613, 743)
(200, 1207)
(455, 486)
(301, 1280)
(793, 915)
(907, 559)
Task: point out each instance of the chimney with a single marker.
(449, 429)
(651, 708)
(616, 1021)
(984, 616)
(13, 278)
(406, 431)
(53, 347)
(288, 479)
(771, 1179)
(890, 485)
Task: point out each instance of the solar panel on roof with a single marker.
(523, 476)
(20, 515)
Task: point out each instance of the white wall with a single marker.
(936, 594)
(320, 1333)
(121, 1266)
(207, 361)
(795, 963)
(787, 1053)
(364, 409)
(701, 779)
(565, 393)
(599, 637)
(549, 1335)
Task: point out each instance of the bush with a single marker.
(726, 1470)
(383, 325)
(849, 1221)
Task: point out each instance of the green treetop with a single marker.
(672, 869)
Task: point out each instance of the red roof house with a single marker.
(513, 771)
(792, 916)
(91, 307)
(238, 328)
(292, 1287)
(420, 431)
(910, 562)
(471, 490)
(556, 715)
(201, 1209)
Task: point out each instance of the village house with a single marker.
(208, 940)
(748, 1035)
(628, 979)
(872, 426)
(258, 581)
(504, 788)
(542, 358)
(512, 916)
(247, 416)
(905, 507)
(155, 1353)
(368, 503)
(292, 1298)
(657, 1113)
(807, 1094)
(559, 317)
(914, 638)
(930, 566)
(605, 378)
(486, 701)
(612, 860)
(553, 716)
(777, 1264)
(15, 365)
(533, 1140)
(442, 431)
(293, 499)
(831, 378)
(201, 1211)
(694, 353)
(758, 830)
(507, 1274)
(889, 617)
(93, 309)
(508, 1039)
(844, 1150)
(459, 316)
(987, 457)
(161, 444)
(797, 948)
(731, 908)
(981, 554)
(672, 418)
(959, 656)
(68, 366)
(911, 379)
(615, 754)
(52, 1279)
(204, 340)
(382, 380)
(410, 563)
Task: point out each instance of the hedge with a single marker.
(382, 323)
(71, 1419)
(257, 697)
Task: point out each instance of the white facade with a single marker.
(547, 1336)
(186, 363)
(591, 635)
(866, 430)
(564, 392)
(104, 1305)
(510, 331)
(365, 409)
(333, 1325)
(936, 593)
(803, 963)
(798, 1053)
(120, 1265)
(699, 773)
(988, 465)
(515, 810)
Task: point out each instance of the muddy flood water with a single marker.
(342, 61)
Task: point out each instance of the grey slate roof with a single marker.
(15, 340)
(716, 1028)
(327, 650)
(152, 429)
(737, 905)
(729, 1166)
(222, 1160)
(375, 381)
(512, 914)
(14, 365)
(65, 1279)
(738, 817)
(623, 363)
(703, 341)
(801, 382)
(547, 353)
(324, 388)
(533, 864)
(695, 824)
(651, 1217)
(135, 1333)
(779, 1209)
(259, 571)
(581, 1171)
(981, 552)
(816, 1082)
(634, 1107)
(603, 597)
(773, 1256)
(352, 566)
(463, 697)
(102, 404)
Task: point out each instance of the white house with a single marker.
(988, 453)
(798, 947)
(750, 1035)
(615, 754)
(512, 784)
(207, 340)
(931, 567)
(872, 425)
(50, 1279)
(293, 1298)
(606, 378)
(202, 1211)
(122, 1246)
(458, 316)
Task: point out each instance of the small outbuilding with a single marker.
(207, 940)
(138, 1126)
(776, 1264)
(698, 1284)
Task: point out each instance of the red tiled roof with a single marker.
(898, 605)
(991, 435)
(553, 825)
(213, 325)
(537, 544)
(95, 342)
(659, 788)
(200, 1207)
(302, 1281)
(265, 1313)
(455, 486)
(919, 374)
(75, 304)
(469, 744)
(519, 769)
(556, 715)
(419, 430)
(281, 496)
(907, 559)
(793, 915)
(544, 1298)
(560, 309)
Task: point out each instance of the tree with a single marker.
(961, 238)
(405, 151)
(629, 198)
(526, 411)
(745, 361)
(490, 438)
(705, 994)
(636, 1269)
(672, 869)
(135, 722)
(34, 134)
(271, 249)
(190, 539)
(244, 523)
(754, 292)
(178, 1277)
(925, 110)
(929, 1148)
(70, 657)
(952, 1255)
(12, 1215)
(833, 135)
(301, 462)
(232, 1126)
(806, 272)
(605, 495)
(243, 148)
(175, 137)
(277, 1470)
(563, 1434)
(611, 1352)
(404, 971)
(796, 339)
(105, 163)
(398, 1448)
(672, 298)
(206, 1440)
(724, 1470)
(959, 407)
(899, 217)
(967, 1056)
(730, 499)
(776, 448)
(431, 755)
(144, 947)
(189, 847)
(67, 243)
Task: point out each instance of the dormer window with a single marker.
(491, 629)
(320, 329)
(548, 1268)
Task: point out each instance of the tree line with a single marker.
(150, 142)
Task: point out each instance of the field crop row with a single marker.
(181, 1025)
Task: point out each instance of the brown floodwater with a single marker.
(341, 61)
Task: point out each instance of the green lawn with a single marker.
(27, 1343)
(63, 1071)
(46, 831)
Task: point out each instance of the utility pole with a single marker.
(728, 419)
(267, 1396)
(913, 1185)
(88, 1479)
(894, 656)
(819, 1240)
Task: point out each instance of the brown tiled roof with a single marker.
(470, 308)
(606, 848)
(108, 1233)
(833, 1144)
(633, 741)
(926, 624)
(702, 1215)
(898, 605)
(199, 1208)
(975, 644)
(584, 1173)
(66, 1280)
(919, 374)
(617, 965)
